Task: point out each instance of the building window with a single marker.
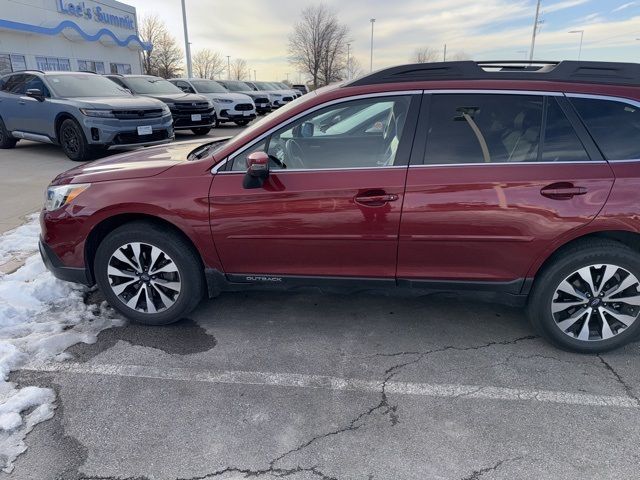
(11, 63)
(121, 68)
(53, 64)
(91, 66)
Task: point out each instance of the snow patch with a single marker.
(40, 317)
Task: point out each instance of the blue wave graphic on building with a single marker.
(25, 27)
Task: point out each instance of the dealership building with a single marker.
(79, 35)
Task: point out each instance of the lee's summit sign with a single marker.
(95, 12)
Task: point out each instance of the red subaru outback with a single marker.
(519, 182)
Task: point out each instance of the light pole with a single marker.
(444, 54)
(287, 77)
(535, 31)
(373, 20)
(254, 76)
(228, 67)
(581, 32)
(348, 61)
(187, 45)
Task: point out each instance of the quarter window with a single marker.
(354, 134)
(561, 143)
(491, 128)
(615, 126)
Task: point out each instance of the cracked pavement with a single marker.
(312, 386)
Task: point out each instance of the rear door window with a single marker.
(615, 126)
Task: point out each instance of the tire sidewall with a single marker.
(83, 147)
(191, 289)
(200, 131)
(546, 285)
(6, 141)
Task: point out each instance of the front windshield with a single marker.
(235, 86)
(83, 85)
(208, 86)
(151, 85)
(263, 86)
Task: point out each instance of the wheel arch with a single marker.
(61, 117)
(107, 225)
(624, 237)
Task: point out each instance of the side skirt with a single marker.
(513, 293)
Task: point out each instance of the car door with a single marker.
(497, 180)
(339, 218)
(9, 106)
(34, 116)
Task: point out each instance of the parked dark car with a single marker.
(519, 186)
(190, 111)
(301, 88)
(84, 113)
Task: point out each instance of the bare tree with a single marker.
(208, 64)
(239, 69)
(165, 59)
(317, 45)
(425, 55)
(461, 55)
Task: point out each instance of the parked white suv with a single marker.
(278, 96)
(229, 107)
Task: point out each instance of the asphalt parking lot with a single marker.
(309, 385)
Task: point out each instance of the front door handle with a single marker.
(376, 200)
(562, 191)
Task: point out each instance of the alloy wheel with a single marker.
(70, 141)
(144, 277)
(596, 302)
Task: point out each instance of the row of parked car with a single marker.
(86, 113)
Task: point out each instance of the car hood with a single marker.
(124, 102)
(236, 97)
(145, 162)
(178, 97)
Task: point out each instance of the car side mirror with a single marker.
(35, 93)
(257, 170)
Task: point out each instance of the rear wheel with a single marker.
(149, 274)
(588, 299)
(6, 140)
(73, 142)
(201, 130)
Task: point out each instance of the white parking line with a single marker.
(336, 383)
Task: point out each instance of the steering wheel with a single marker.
(294, 154)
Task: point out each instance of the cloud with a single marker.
(624, 6)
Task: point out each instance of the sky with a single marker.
(258, 30)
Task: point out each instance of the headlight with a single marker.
(97, 113)
(165, 109)
(222, 100)
(60, 195)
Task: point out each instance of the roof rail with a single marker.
(565, 71)
(26, 70)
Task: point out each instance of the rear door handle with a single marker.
(562, 191)
(376, 200)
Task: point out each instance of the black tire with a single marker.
(242, 123)
(583, 254)
(73, 142)
(185, 258)
(6, 140)
(216, 120)
(201, 130)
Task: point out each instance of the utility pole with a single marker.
(535, 31)
(348, 61)
(444, 55)
(287, 78)
(228, 67)
(187, 45)
(254, 76)
(581, 32)
(373, 20)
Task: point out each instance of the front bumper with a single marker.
(55, 266)
(117, 133)
(184, 120)
(232, 116)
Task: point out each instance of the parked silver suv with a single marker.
(82, 112)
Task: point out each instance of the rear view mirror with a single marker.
(36, 93)
(257, 170)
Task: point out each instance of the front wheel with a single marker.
(242, 123)
(73, 142)
(149, 274)
(588, 299)
(201, 130)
